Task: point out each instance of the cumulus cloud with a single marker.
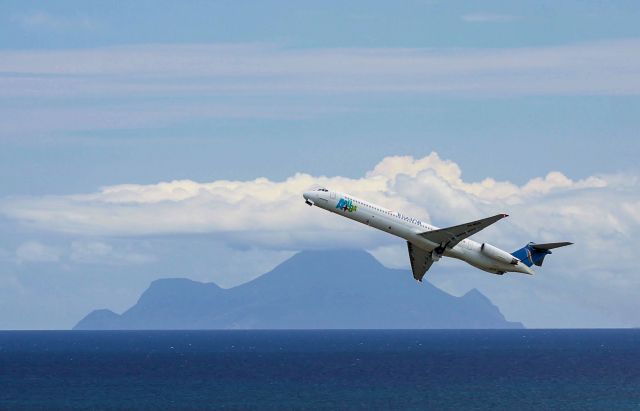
(265, 212)
(270, 214)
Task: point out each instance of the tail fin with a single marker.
(533, 253)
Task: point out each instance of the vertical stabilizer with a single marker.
(533, 253)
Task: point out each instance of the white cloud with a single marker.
(36, 252)
(47, 21)
(429, 187)
(136, 115)
(159, 85)
(606, 67)
(98, 252)
(488, 18)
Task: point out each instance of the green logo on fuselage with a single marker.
(346, 205)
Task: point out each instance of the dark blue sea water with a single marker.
(280, 370)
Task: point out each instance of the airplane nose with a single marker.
(308, 196)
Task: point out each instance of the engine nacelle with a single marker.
(497, 254)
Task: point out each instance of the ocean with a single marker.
(321, 370)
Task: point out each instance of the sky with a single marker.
(144, 140)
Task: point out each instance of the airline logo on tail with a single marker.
(346, 205)
(529, 257)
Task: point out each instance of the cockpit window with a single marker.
(323, 189)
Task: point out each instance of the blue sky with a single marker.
(96, 96)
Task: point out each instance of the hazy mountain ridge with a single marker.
(313, 289)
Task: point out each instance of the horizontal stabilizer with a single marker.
(549, 246)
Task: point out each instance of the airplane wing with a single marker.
(420, 261)
(450, 236)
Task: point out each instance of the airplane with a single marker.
(427, 244)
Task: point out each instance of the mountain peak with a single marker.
(342, 256)
(332, 262)
(178, 283)
(346, 268)
(474, 293)
(102, 319)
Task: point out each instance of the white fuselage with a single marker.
(408, 228)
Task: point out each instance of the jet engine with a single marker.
(497, 254)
